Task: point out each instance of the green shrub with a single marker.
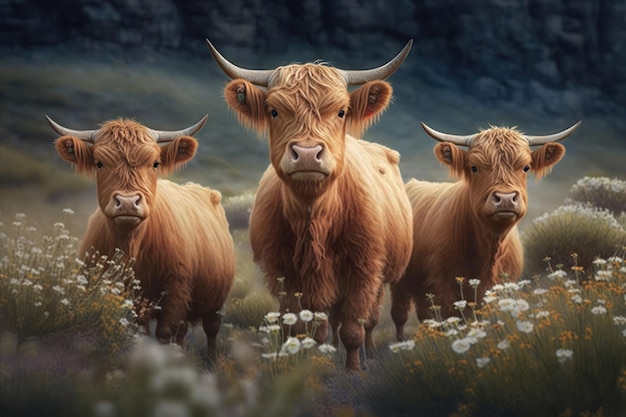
(601, 192)
(586, 231)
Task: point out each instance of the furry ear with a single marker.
(366, 105)
(452, 157)
(248, 102)
(546, 157)
(77, 153)
(177, 153)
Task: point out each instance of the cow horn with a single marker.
(84, 135)
(540, 140)
(358, 77)
(162, 136)
(257, 77)
(446, 137)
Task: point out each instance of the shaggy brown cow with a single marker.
(468, 228)
(330, 214)
(177, 234)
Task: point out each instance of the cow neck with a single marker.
(128, 240)
(482, 241)
(311, 223)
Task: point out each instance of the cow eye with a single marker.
(274, 113)
(156, 165)
(341, 113)
(99, 164)
(474, 169)
(526, 168)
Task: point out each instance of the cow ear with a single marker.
(366, 105)
(544, 158)
(452, 157)
(248, 102)
(177, 153)
(77, 153)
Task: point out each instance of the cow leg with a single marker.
(181, 332)
(211, 325)
(334, 325)
(372, 321)
(400, 306)
(352, 335)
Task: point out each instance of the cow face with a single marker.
(495, 168)
(126, 160)
(307, 111)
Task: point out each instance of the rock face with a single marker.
(495, 49)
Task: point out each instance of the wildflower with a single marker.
(511, 286)
(497, 287)
(504, 344)
(521, 305)
(540, 291)
(319, 316)
(599, 262)
(68, 211)
(474, 282)
(542, 314)
(481, 362)
(453, 320)
(124, 322)
(461, 345)
(577, 299)
(14, 281)
(524, 282)
(405, 345)
(475, 334)
(128, 303)
(59, 289)
(308, 343)
(451, 332)
(306, 315)
(619, 320)
(570, 283)
(271, 355)
(116, 291)
(524, 326)
(599, 310)
(65, 301)
(564, 354)
(507, 304)
(290, 319)
(460, 305)
(432, 324)
(292, 345)
(489, 298)
(37, 303)
(603, 275)
(326, 348)
(559, 273)
(59, 225)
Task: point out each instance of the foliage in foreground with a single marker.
(533, 350)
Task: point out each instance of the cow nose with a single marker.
(305, 158)
(504, 200)
(127, 203)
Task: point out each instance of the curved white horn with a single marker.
(162, 136)
(357, 77)
(540, 140)
(446, 137)
(257, 77)
(84, 135)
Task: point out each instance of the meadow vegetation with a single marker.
(551, 344)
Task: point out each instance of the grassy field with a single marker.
(552, 345)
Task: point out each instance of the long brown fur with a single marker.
(183, 250)
(452, 238)
(340, 241)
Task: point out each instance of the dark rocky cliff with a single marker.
(563, 56)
